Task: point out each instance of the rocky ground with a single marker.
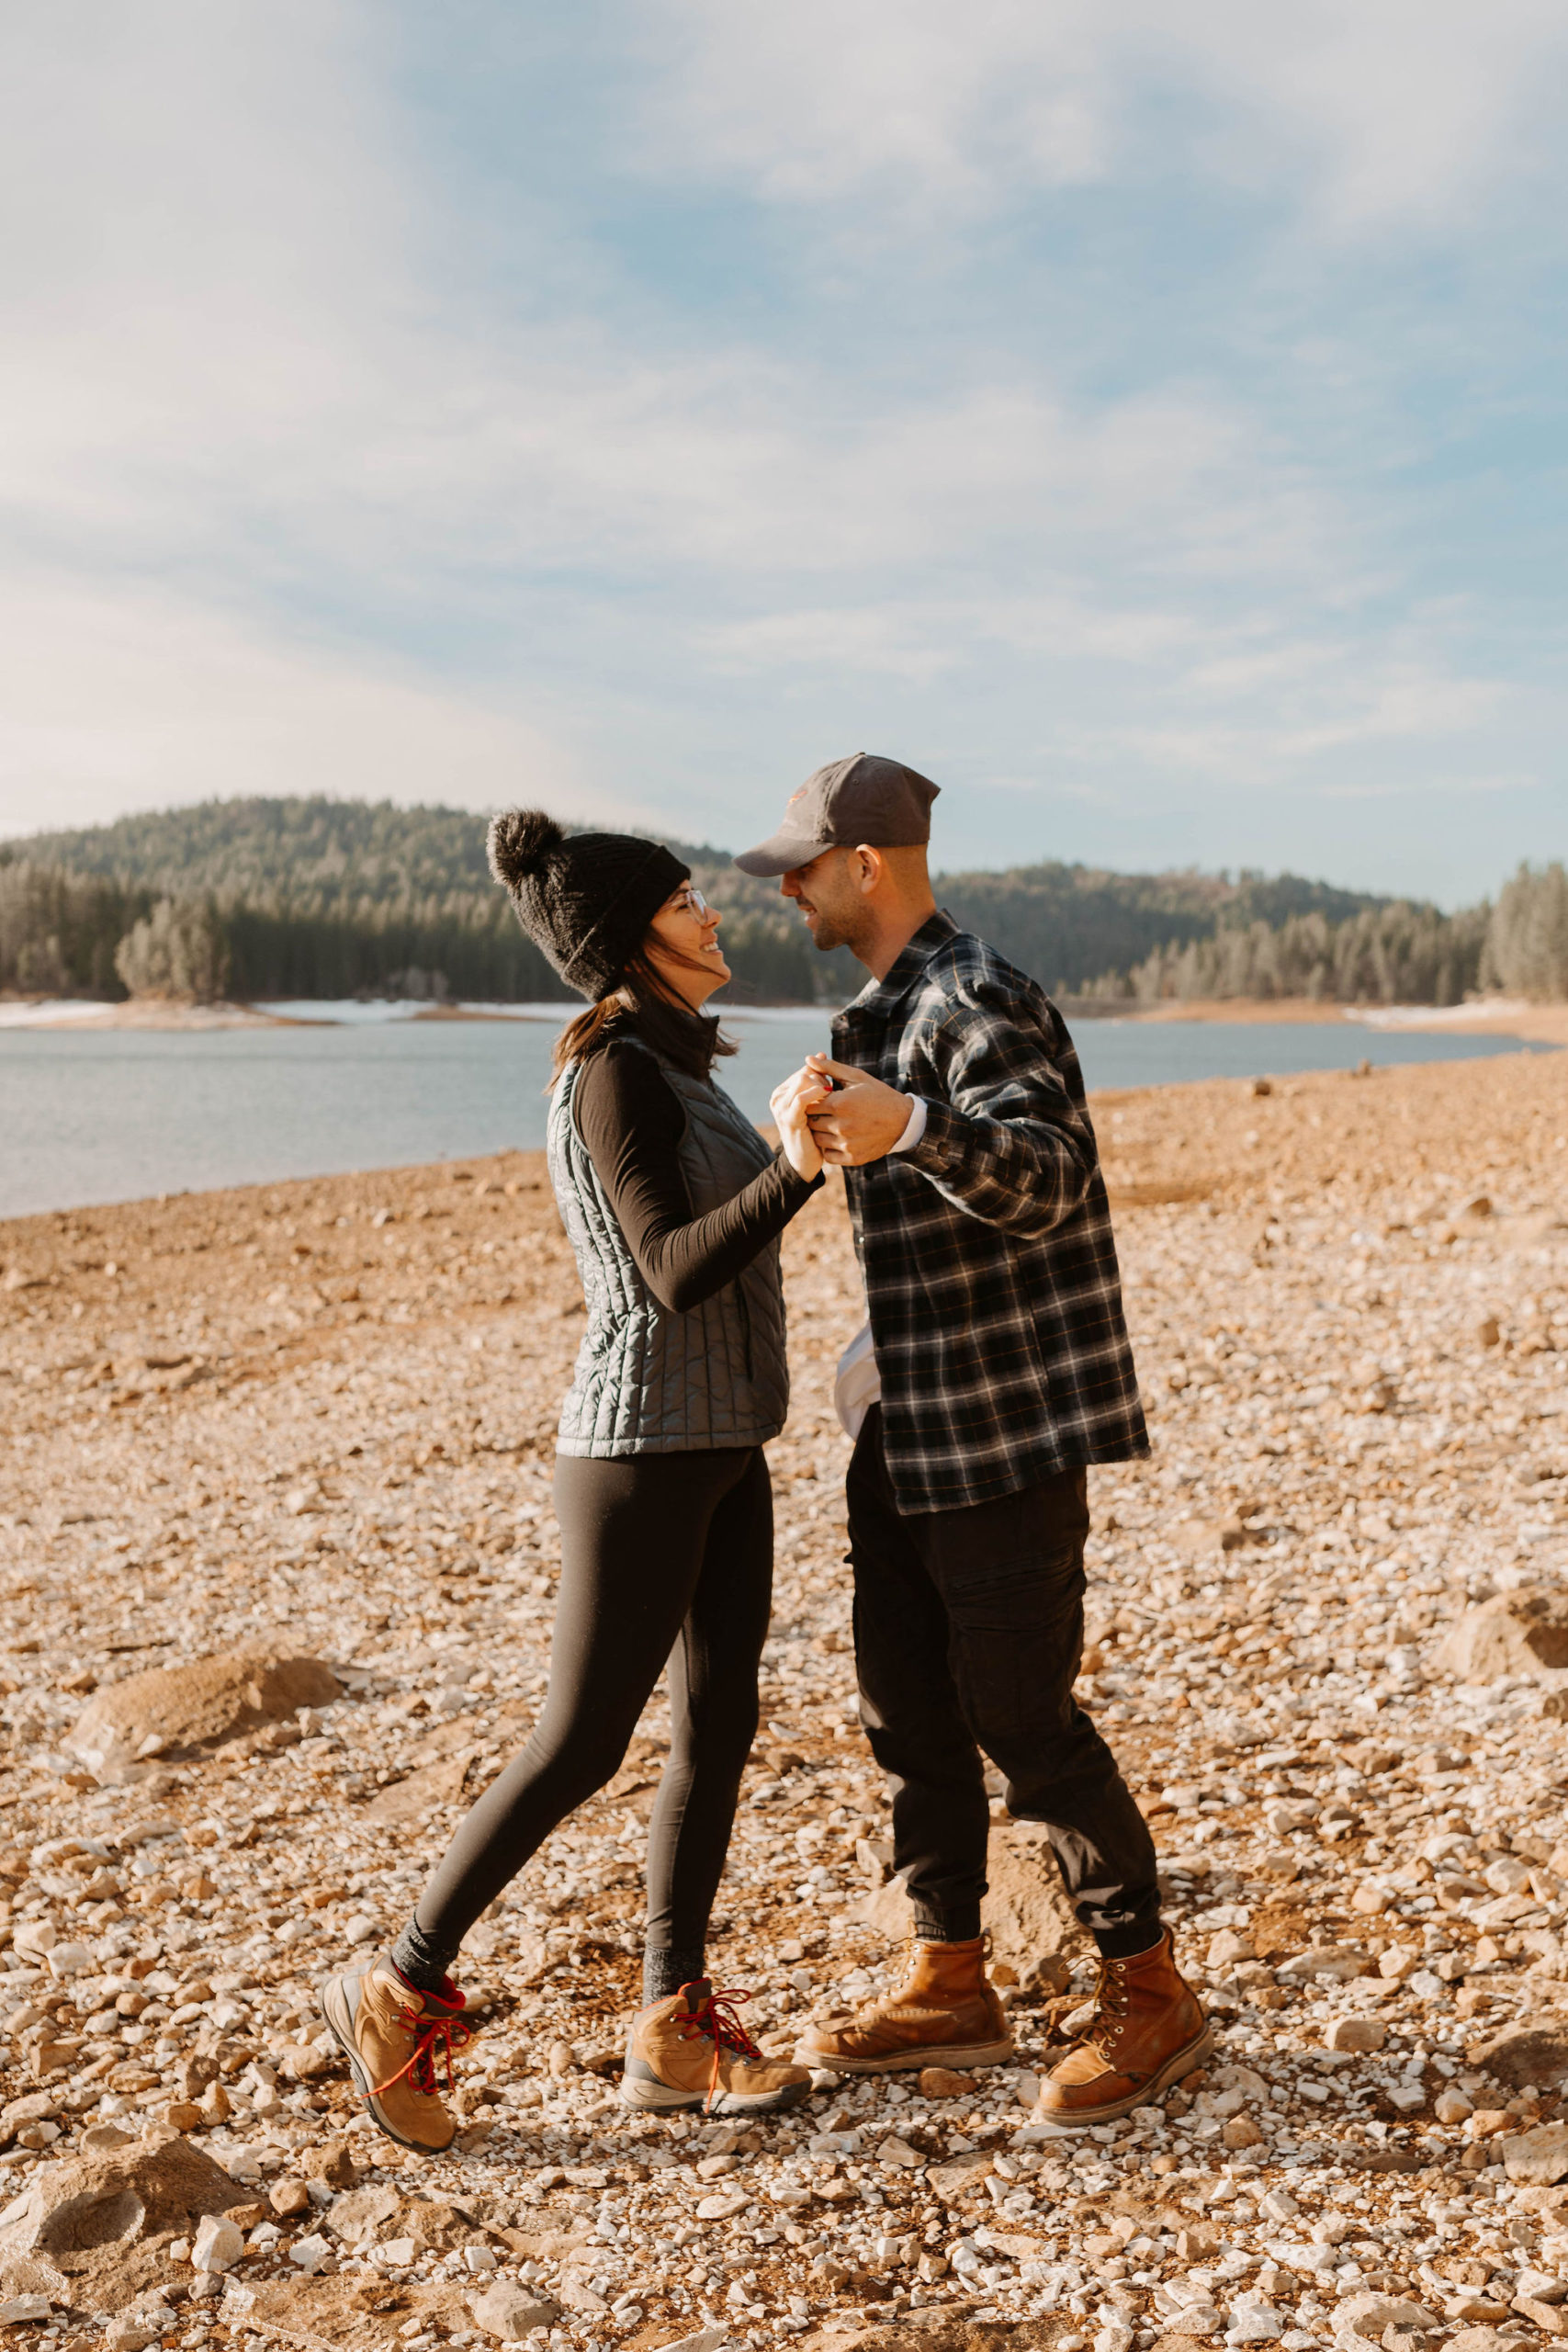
(304, 1433)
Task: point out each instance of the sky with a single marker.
(1147, 420)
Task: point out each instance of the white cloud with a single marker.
(1380, 109)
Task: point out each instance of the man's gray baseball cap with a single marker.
(863, 798)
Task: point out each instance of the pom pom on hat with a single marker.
(520, 841)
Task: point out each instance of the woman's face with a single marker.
(682, 947)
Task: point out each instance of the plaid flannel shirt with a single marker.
(991, 1279)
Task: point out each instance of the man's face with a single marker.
(826, 894)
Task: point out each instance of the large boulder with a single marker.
(181, 1710)
(94, 2230)
(1026, 1911)
(1515, 1633)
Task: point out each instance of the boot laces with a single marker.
(715, 2018)
(1104, 2029)
(449, 2033)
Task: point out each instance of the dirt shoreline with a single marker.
(1501, 1017)
(1512, 1016)
(317, 1417)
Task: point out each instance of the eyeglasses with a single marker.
(691, 902)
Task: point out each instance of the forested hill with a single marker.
(319, 853)
(1071, 925)
(315, 853)
(317, 897)
(319, 863)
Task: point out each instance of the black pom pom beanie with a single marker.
(586, 900)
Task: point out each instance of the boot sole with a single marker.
(960, 2055)
(662, 2098)
(1080, 2117)
(340, 2025)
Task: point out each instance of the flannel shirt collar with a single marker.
(881, 996)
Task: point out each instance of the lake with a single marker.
(120, 1115)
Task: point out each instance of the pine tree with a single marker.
(178, 950)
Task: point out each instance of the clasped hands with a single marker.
(846, 1122)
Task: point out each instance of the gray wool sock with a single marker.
(666, 1969)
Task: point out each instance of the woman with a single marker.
(673, 1205)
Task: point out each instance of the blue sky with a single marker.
(1147, 420)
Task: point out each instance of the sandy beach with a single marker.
(306, 1427)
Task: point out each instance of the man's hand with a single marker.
(861, 1120)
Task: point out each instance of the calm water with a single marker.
(115, 1115)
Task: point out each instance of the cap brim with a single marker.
(780, 855)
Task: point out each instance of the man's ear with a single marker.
(872, 869)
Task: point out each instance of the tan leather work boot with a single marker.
(945, 2013)
(1147, 2031)
(693, 2050)
(390, 2033)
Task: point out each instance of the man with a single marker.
(1004, 1369)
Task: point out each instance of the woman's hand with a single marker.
(791, 1105)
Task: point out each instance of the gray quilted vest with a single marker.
(648, 1380)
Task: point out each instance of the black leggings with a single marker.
(664, 1557)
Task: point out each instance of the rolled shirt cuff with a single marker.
(914, 1126)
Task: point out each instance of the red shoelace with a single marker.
(451, 2033)
(715, 2018)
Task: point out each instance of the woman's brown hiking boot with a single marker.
(693, 2050)
(945, 2013)
(390, 2033)
(1147, 2031)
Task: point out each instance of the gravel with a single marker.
(313, 1421)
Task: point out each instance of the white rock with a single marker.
(724, 2206)
(1340, 1962)
(1196, 2319)
(23, 2309)
(67, 1960)
(132, 2332)
(1362, 2318)
(1363, 2034)
(1255, 2322)
(218, 2245)
(1539, 2158)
